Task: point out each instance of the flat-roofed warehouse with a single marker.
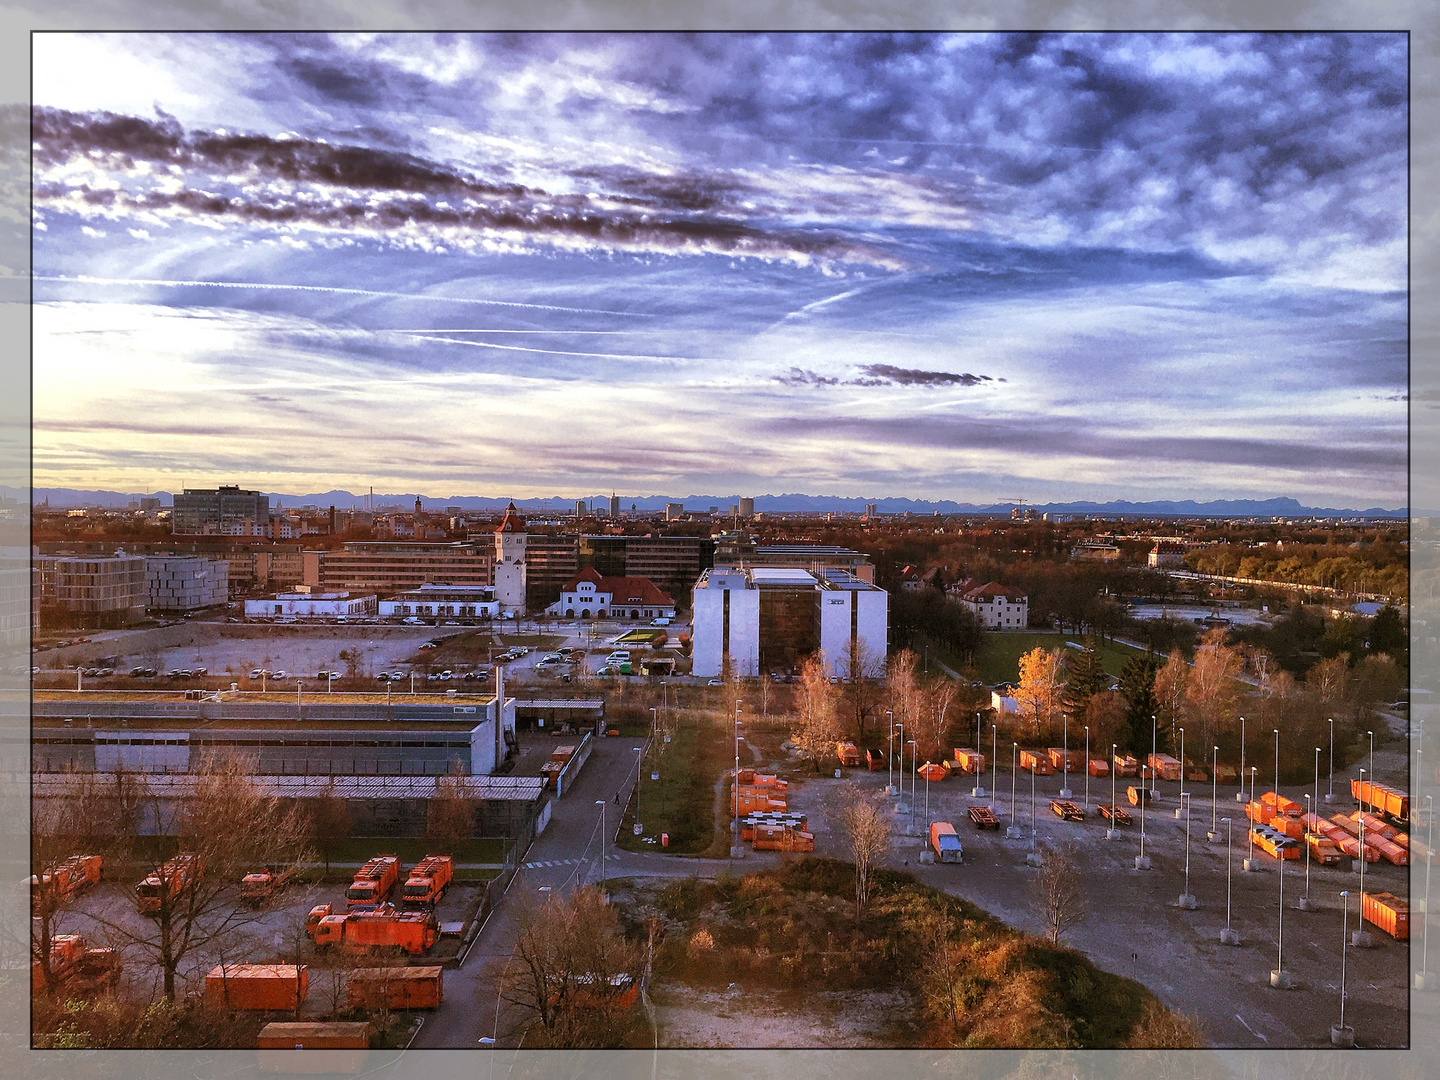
(383, 759)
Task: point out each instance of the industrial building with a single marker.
(463, 602)
(92, 590)
(226, 510)
(186, 582)
(308, 604)
(762, 618)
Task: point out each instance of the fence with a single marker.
(573, 766)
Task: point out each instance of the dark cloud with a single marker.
(884, 375)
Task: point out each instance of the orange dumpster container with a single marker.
(848, 753)
(969, 760)
(874, 760)
(1098, 767)
(346, 1047)
(1035, 761)
(1387, 911)
(257, 986)
(1126, 765)
(1164, 766)
(395, 988)
(1061, 759)
(932, 772)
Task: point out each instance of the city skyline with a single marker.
(969, 268)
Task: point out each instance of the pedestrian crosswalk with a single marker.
(551, 862)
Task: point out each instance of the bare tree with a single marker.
(861, 669)
(1171, 683)
(868, 829)
(226, 820)
(816, 725)
(1213, 691)
(1060, 890)
(451, 814)
(904, 692)
(570, 958)
(330, 819)
(932, 719)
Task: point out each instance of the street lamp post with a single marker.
(735, 787)
(900, 803)
(890, 750)
(911, 742)
(1212, 835)
(979, 789)
(1065, 750)
(1304, 903)
(1340, 1035)
(994, 761)
(927, 798)
(1110, 833)
(1187, 899)
(1142, 861)
(1180, 808)
(1280, 978)
(1361, 939)
(1014, 829)
(1240, 795)
(1154, 750)
(1250, 862)
(1371, 789)
(1033, 858)
(1330, 793)
(1087, 766)
(1423, 981)
(1227, 935)
(601, 803)
(1317, 776)
(639, 760)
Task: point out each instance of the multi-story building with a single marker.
(593, 595)
(815, 558)
(186, 582)
(614, 505)
(222, 510)
(463, 602)
(999, 607)
(671, 562)
(746, 508)
(1094, 551)
(755, 619)
(92, 589)
(388, 567)
(19, 614)
(551, 559)
(674, 511)
(1167, 553)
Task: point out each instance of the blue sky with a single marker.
(970, 267)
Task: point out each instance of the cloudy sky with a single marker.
(969, 267)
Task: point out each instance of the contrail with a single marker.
(88, 280)
(567, 352)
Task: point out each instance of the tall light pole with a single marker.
(1330, 793)
(1154, 750)
(639, 759)
(1065, 752)
(1371, 788)
(1240, 795)
(994, 761)
(1014, 821)
(1181, 808)
(1304, 902)
(1422, 977)
(1277, 762)
(1317, 776)
(1280, 978)
(1187, 899)
(735, 786)
(1142, 861)
(601, 803)
(1250, 863)
(1110, 833)
(911, 742)
(1087, 766)
(927, 797)
(1033, 859)
(979, 790)
(1340, 1035)
(1227, 935)
(900, 804)
(1214, 793)
(890, 750)
(1362, 936)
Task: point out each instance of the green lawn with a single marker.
(1000, 653)
(681, 802)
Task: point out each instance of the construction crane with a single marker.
(1020, 508)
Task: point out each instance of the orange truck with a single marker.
(848, 753)
(1035, 761)
(384, 928)
(1387, 911)
(372, 883)
(1163, 766)
(427, 882)
(395, 988)
(256, 889)
(346, 1045)
(77, 968)
(174, 877)
(66, 879)
(945, 843)
(267, 987)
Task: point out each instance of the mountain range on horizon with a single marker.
(1283, 506)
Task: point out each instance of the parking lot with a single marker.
(1135, 926)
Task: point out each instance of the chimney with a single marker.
(499, 711)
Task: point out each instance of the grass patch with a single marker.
(973, 980)
(1000, 653)
(682, 801)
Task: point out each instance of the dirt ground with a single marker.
(693, 1018)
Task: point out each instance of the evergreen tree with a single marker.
(1137, 687)
(1087, 678)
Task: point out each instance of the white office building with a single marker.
(442, 601)
(318, 606)
(765, 618)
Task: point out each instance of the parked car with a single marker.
(384, 676)
(281, 674)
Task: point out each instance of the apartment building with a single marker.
(389, 567)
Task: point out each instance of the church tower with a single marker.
(510, 562)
